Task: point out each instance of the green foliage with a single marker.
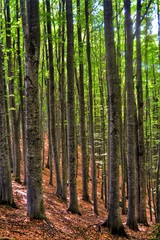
(155, 232)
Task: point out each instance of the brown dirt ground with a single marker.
(60, 224)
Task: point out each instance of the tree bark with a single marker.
(62, 84)
(35, 207)
(91, 123)
(131, 145)
(158, 188)
(52, 105)
(21, 92)
(15, 131)
(142, 218)
(6, 196)
(114, 221)
(73, 201)
(85, 162)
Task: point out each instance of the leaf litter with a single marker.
(60, 224)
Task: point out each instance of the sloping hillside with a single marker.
(59, 223)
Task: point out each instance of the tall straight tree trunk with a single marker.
(52, 104)
(73, 201)
(91, 125)
(8, 131)
(123, 126)
(13, 114)
(124, 160)
(62, 96)
(114, 221)
(42, 103)
(35, 207)
(63, 106)
(158, 167)
(104, 191)
(6, 196)
(141, 150)
(49, 159)
(147, 128)
(158, 188)
(21, 91)
(85, 162)
(104, 188)
(131, 144)
(6, 106)
(24, 25)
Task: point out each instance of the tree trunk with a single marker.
(52, 104)
(91, 125)
(141, 150)
(85, 162)
(131, 146)
(13, 114)
(158, 168)
(35, 207)
(158, 188)
(21, 92)
(6, 196)
(114, 221)
(63, 108)
(102, 114)
(73, 201)
(124, 160)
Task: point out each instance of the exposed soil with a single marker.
(60, 224)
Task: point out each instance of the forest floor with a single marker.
(61, 224)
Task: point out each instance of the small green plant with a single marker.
(156, 232)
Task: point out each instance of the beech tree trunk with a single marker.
(35, 207)
(6, 196)
(73, 201)
(15, 130)
(158, 188)
(21, 91)
(63, 105)
(142, 218)
(104, 191)
(131, 140)
(124, 158)
(158, 168)
(114, 221)
(91, 123)
(52, 105)
(85, 161)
